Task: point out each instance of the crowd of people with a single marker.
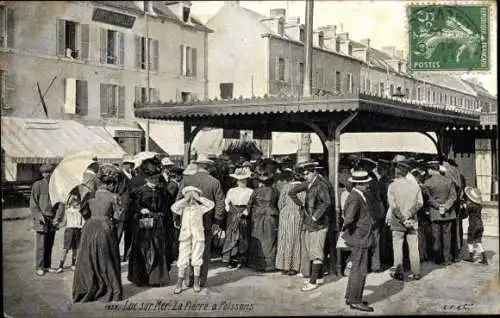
(269, 216)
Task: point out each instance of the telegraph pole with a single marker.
(148, 96)
(304, 153)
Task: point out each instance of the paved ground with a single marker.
(474, 287)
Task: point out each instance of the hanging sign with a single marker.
(113, 18)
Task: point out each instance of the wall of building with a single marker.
(34, 59)
(236, 53)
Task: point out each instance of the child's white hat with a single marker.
(187, 189)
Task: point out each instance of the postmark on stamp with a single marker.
(451, 37)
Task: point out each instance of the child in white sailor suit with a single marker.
(191, 209)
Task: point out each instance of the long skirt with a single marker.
(148, 263)
(288, 255)
(263, 239)
(97, 274)
(236, 243)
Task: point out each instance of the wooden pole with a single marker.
(146, 11)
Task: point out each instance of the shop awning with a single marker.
(288, 143)
(38, 141)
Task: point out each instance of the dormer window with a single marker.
(185, 14)
(302, 35)
(400, 65)
(349, 49)
(337, 45)
(321, 39)
(281, 27)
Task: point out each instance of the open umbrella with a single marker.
(66, 176)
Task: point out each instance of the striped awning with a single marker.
(38, 141)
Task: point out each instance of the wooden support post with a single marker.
(187, 143)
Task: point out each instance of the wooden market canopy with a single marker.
(327, 116)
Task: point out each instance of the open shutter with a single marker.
(104, 45)
(61, 37)
(10, 90)
(83, 98)
(287, 70)
(138, 52)
(277, 69)
(156, 94)
(153, 54)
(11, 27)
(121, 102)
(182, 60)
(104, 100)
(137, 95)
(85, 44)
(121, 48)
(193, 65)
(70, 96)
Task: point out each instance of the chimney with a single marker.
(389, 50)
(345, 44)
(319, 39)
(231, 3)
(365, 42)
(278, 13)
(292, 28)
(330, 36)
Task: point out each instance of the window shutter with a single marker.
(277, 69)
(85, 44)
(178, 96)
(138, 52)
(11, 29)
(121, 50)
(121, 102)
(182, 60)
(194, 64)
(70, 96)
(61, 37)
(83, 98)
(104, 44)
(287, 70)
(154, 54)
(137, 94)
(104, 99)
(10, 90)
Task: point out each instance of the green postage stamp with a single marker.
(449, 37)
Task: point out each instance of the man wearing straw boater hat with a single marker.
(441, 194)
(358, 235)
(197, 175)
(315, 215)
(473, 206)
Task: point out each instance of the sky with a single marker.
(383, 22)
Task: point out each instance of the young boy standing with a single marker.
(190, 209)
(72, 233)
(473, 206)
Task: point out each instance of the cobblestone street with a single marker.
(243, 292)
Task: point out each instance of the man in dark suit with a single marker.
(197, 175)
(315, 215)
(358, 235)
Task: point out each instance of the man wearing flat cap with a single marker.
(44, 220)
(405, 200)
(315, 214)
(441, 194)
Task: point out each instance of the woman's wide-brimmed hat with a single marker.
(474, 194)
(241, 174)
(190, 170)
(203, 159)
(166, 162)
(187, 189)
(359, 176)
(128, 159)
(143, 156)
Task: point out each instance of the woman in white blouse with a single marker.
(237, 230)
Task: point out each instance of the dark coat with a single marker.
(318, 204)
(376, 189)
(358, 221)
(440, 190)
(212, 190)
(44, 213)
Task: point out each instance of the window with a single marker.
(321, 39)
(7, 90)
(368, 86)
(141, 94)
(301, 73)
(186, 97)
(75, 97)
(349, 49)
(112, 101)
(319, 78)
(302, 34)
(407, 92)
(112, 47)
(349, 83)
(73, 40)
(188, 61)
(440, 98)
(338, 82)
(226, 90)
(141, 53)
(381, 89)
(419, 96)
(434, 97)
(445, 99)
(280, 69)
(185, 14)
(281, 27)
(391, 89)
(7, 27)
(400, 65)
(337, 45)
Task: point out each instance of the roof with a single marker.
(478, 88)
(48, 141)
(448, 82)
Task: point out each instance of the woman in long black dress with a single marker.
(263, 212)
(149, 264)
(97, 273)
